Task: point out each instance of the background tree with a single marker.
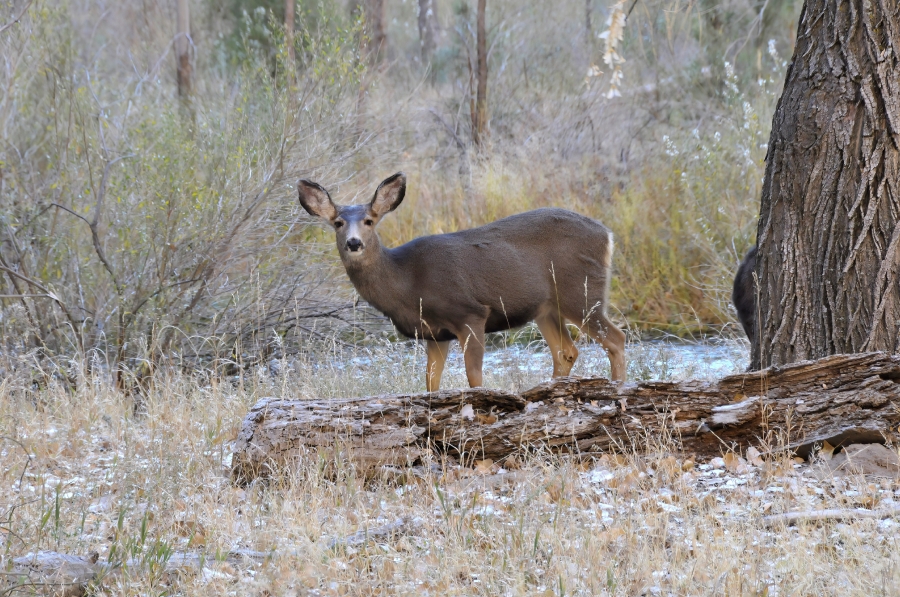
(427, 21)
(374, 12)
(588, 21)
(183, 49)
(479, 122)
(828, 235)
(289, 6)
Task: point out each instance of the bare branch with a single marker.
(459, 142)
(633, 4)
(15, 284)
(102, 192)
(17, 18)
(95, 238)
(49, 294)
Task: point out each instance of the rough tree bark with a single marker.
(479, 124)
(427, 18)
(828, 231)
(183, 50)
(841, 399)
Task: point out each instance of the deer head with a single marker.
(354, 225)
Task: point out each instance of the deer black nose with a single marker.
(354, 244)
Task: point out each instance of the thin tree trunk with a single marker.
(289, 6)
(588, 24)
(375, 29)
(427, 17)
(481, 73)
(829, 227)
(183, 49)
(374, 39)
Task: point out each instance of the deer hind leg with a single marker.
(612, 339)
(436, 353)
(471, 340)
(557, 337)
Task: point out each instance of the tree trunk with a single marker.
(588, 22)
(183, 50)
(828, 231)
(375, 29)
(427, 29)
(481, 72)
(841, 399)
(289, 6)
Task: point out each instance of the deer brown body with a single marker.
(548, 265)
(743, 294)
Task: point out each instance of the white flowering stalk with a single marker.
(593, 72)
(612, 36)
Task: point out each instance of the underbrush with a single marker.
(135, 222)
(83, 473)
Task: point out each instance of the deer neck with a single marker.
(379, 280)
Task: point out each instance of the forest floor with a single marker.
(83, 474)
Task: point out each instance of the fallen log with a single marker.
(795, 518)
(401, 526)
(66, 575)
(840, 399)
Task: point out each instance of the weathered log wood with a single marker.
(65, 575)
(841, 399)
(795, 518)
(401, 526)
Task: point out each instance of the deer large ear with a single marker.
(388, 195)
(316, 200)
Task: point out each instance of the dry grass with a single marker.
(101, 479)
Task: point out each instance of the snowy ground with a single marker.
(81, 474)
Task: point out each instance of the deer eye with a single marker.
(369, 222)
(338, 224)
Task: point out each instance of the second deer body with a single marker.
(549, 266)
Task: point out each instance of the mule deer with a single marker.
(547, 265)
(743, 295)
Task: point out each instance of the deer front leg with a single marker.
(436, 353)
(471, 339)
(614, 343)
(557, 337)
